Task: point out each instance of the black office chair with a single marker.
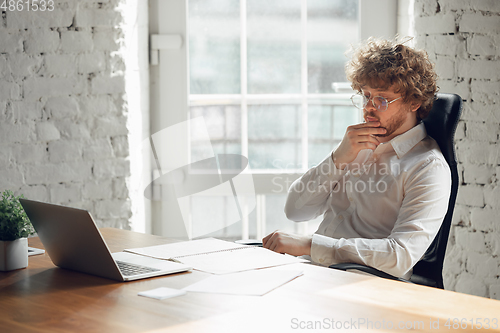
(440, 124)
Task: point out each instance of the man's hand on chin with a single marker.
(282, 242)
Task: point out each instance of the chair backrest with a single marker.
(441, 124)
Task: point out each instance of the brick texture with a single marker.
(463, 37)
(63, 119)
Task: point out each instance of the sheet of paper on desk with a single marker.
(253, 283)
(225, 262)
(216, 256)
(181, 249)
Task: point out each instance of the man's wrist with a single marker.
(308, 244)
(338, 164)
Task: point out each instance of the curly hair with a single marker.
(381, 64)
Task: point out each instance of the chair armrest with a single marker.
(367, 269)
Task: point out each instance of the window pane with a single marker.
(214, 216)
(274, 140)
(327, 125)
(219, 212)
(214, 47)
(273, 67)
(275, 218)
(229, 232)
(223, 124)
(332, 25)
(273, 30)
(344, 116)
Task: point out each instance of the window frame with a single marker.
(170, 98)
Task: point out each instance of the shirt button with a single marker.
(351, 199)
(322, 261)
(341, 217)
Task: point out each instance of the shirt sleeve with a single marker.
(424, 206)
(308, 195)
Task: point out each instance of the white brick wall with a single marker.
(64, 122)
(463, 38)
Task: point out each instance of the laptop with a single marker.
(73, 241)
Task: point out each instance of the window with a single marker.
(268, 78)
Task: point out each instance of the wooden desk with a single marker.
(44, 298)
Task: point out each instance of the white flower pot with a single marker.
(13, 254)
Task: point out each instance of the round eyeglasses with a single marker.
(380, 103)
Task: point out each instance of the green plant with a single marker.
(14, 222)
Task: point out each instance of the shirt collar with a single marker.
(403, 143)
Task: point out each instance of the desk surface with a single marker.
(44, 298)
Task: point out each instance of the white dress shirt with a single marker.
(382, 210)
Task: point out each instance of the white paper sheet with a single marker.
(217, 256)
(225, 262)
(173, 250)
(254, 283)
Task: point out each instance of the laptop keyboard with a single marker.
(129, 269)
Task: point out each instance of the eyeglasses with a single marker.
(380, 103)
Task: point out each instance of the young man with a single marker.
(383, 192)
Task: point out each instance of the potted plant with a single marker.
(14, 228)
